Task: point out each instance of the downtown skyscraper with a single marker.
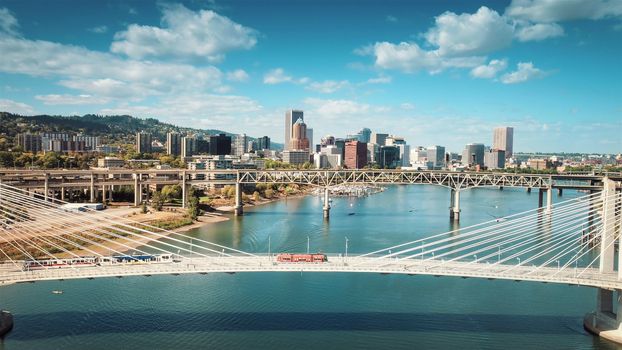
(291, 117)
(503, 140)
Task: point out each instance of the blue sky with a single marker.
(435, 72)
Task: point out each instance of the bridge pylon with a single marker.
(326, 208)
(606, 320)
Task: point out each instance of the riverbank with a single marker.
(152, 221)
(230, 208)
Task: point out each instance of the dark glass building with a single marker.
(220, 145)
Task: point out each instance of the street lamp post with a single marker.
(347, 248)
(308, 243)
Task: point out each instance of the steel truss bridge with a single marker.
(58, 183)
(573, 243)
(56, 179)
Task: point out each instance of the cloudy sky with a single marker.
(436, 72)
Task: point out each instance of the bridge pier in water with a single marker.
(606, 320)
(239, 206)
(326, 208)
(549, 199)
(454, 207)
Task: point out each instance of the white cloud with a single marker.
(340, 109)
(470, 34)
(328, 86)
(383, 79)
(8, 22)
(66, 99)
(202, 34)
(99, 29)
(237, 75)
(16, 107)
(409, 57)
(545, 11)
(525, 71)
(102, 74)
(539, 31)
(226, 112)
(278, 76)
(489, 70)
(390, 18)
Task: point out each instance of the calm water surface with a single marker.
(314, 311)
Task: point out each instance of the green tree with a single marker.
(171, 191)
(193, 208)
(256, 196)
(157, 201)
(269, 193)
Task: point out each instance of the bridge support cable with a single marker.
(484, 226)
(42, 214)
(533, 241)
(36, 234)
(496, 232)
(50, 218)
(151, 229)
(612, 222)
(129, 230)
(563, 238)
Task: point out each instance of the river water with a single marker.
(314, 311)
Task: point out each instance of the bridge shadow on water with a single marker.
(58, 324)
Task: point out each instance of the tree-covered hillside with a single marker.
(114, 128)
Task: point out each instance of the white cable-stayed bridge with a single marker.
(574, 243)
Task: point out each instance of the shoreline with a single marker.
(220, 214)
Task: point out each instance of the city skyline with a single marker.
(394, 67)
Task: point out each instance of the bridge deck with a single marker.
(591, 277)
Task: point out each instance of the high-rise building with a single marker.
(379, 139)
(291, 117)
(220, 145)
(90, 142)
(356, 155)
(418, 155)
(143, 142)
(388, 157)
(327, 140)
(503, 139)
(299, 140)
(67, 146)
(240, 145)
(173, 143)
(29, 142)
(365, 135)
(263, 143)
(473, 154)
(48, 137)
(436, 156)
(403, 147)
(309, 134)
(188, 146)
(297, 156)
(202, 146)
(494, 159)
(372, 152)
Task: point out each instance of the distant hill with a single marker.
(113, 128)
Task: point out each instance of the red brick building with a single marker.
(355, 155)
